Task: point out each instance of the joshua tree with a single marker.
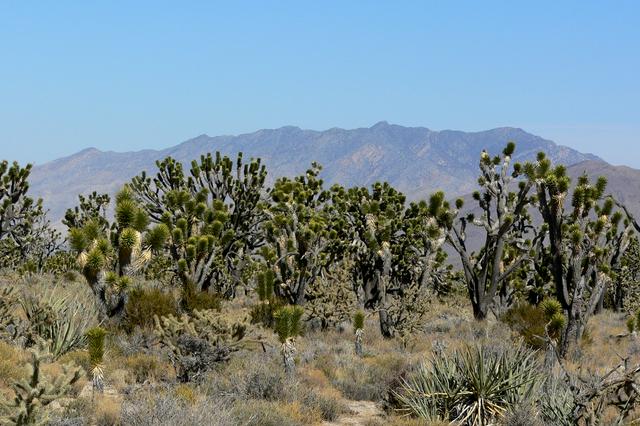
(25, 232)
(288, 326)
(108, 255)
(358, 327)
(581, 242)
(90, 208)
(503, 220)
(213, 216)
(368, 225)
(95, 343)
(297, 235)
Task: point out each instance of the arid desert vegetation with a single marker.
(202, 294)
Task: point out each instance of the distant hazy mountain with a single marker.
(414, 159)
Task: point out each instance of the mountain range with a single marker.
(415, 160)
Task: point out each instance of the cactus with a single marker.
(199, 341)
(288, 326)
(213, 217)
(95, 344)
(35, 393)
(358, 327)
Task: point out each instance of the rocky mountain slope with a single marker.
(416, 160)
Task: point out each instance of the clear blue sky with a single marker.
(133, 75)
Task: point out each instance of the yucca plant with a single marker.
(358, 327)
(288, 325)
(95, 344)
(475, 386)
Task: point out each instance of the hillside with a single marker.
(414, 159)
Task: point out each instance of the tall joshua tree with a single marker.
(108, 255)
(214, 217)
(504, 220)
(296, 235)
(581, 240)
(368, 225)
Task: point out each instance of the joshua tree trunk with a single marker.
(359, 348)
(288, 354)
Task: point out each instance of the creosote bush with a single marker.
(143, 304)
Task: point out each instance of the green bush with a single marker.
(143, 304)
(193, 300)
(528, 321)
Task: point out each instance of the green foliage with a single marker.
(504, 221)
(109, 254)
(288, 322)
(358, 320)
(57, 317)
(529, 321)
(211, 217)
(631, 325)
(193, 300)
(90, 208)
(474, 386)
(95, 345)
(143, 304)
(199, 341)
(297, 235)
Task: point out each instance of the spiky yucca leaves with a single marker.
(504, 220)
(34, 394)
(474, 386)
(268, 303)
(108, 255)
(199, 341)
(368, 225)
(57, 317)
(583, 242)
(288, 326)
(95, 345)
(297, 235)
(213, 216)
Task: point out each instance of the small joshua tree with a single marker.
(95, 343)
(288, 326)
(358, 327)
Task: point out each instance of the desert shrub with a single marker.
(528, 321)
(161, 408)
(193, 300)
(362, 379)
(106, 411)
(77, 357)
(143, 304)
(328, 405)
(268, 413)
(263, 383)
(143, 367)
(474, 386)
